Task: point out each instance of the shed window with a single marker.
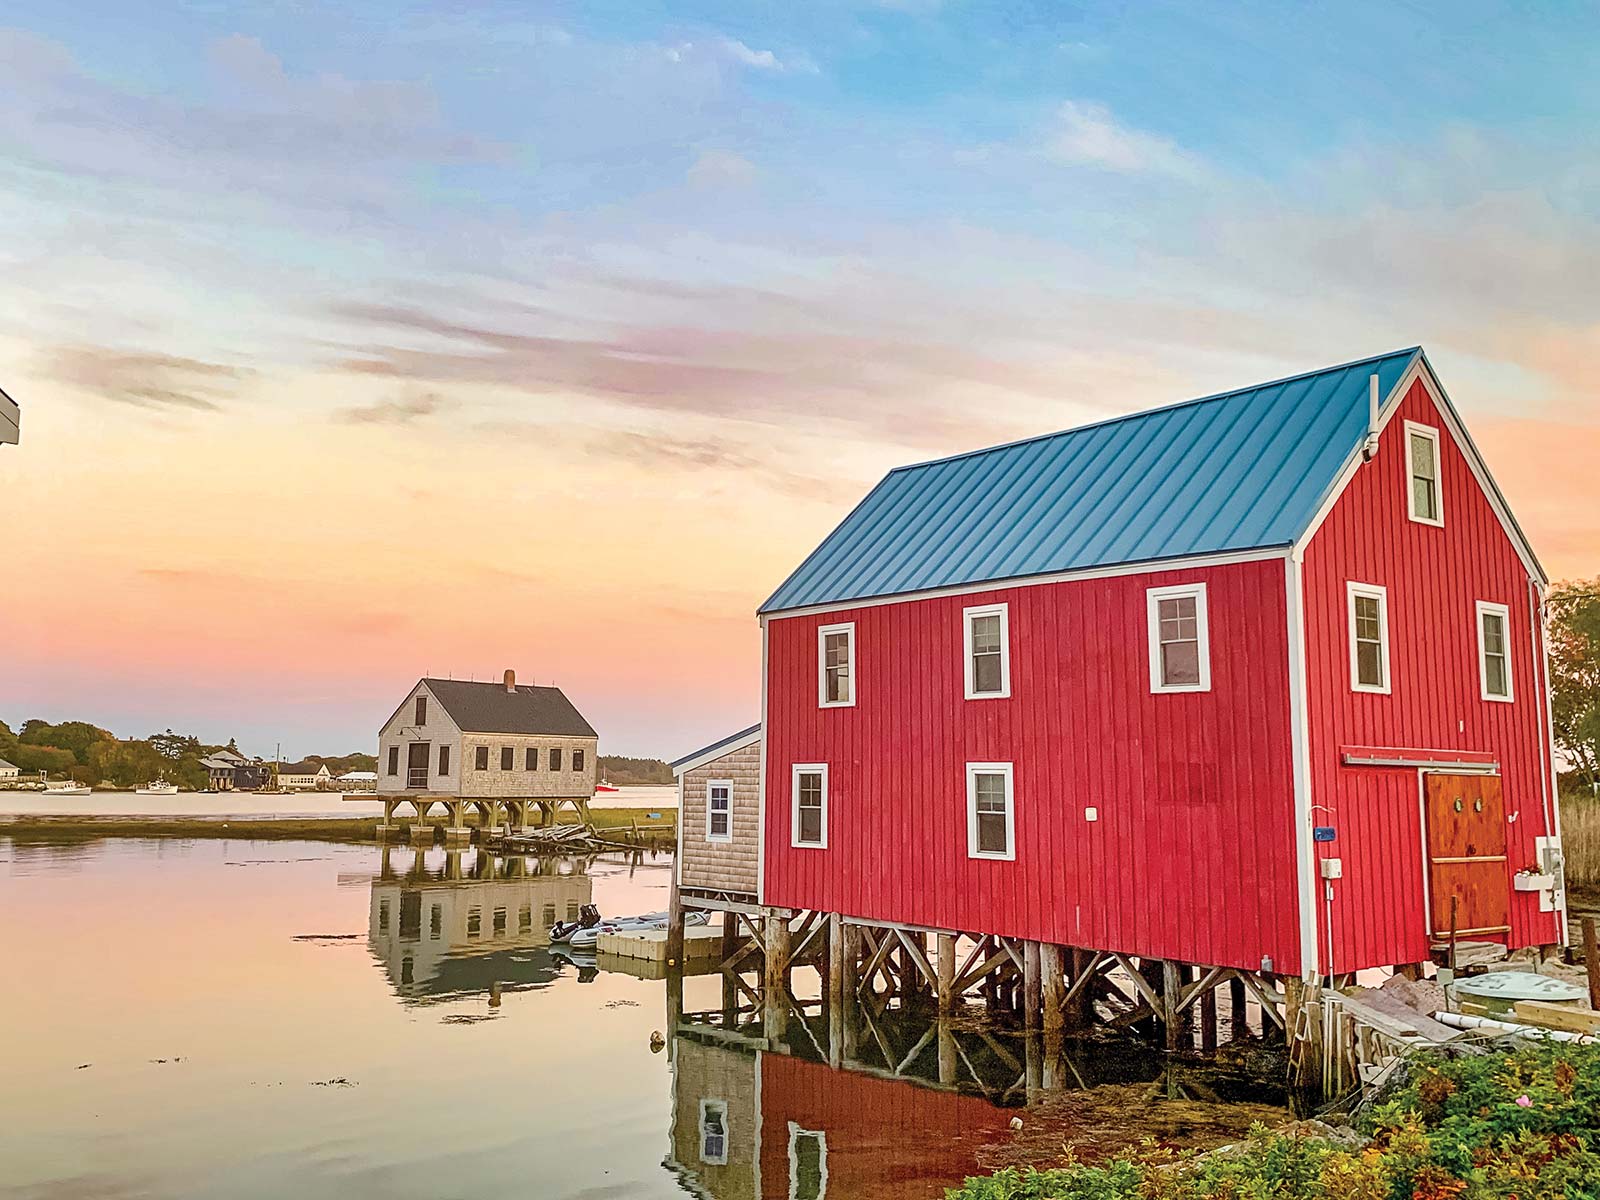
(394, 760)
(988, 652)
(991, 812)
(577, 760)
(422, 710)
(1180, 639)
(555, 758)
(531, 759)
(481, 758)
(1369, 638)
(1422, 469)
(836, 665)
(810, 796)
(719, 810)
(808, 1163)
(1494, 650)
(444, 760)
(508, 758)
(714, 1132)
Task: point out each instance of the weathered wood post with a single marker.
(1238, 1015)
(1055, 989)
(730, 989)
(1031, 989)
(1171, 991)
(775, 976)
(1591, 961)
(1082, 1006)
(1208, 1019)
(948, 1060)
(835, 989)
(946, 967)
(675, 930)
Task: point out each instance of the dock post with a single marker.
(730, 989)
(948, 1054)
(1208, 1020)
(1031, 990)
(1238, 1016)
(675, 929)
(1082, 1005)
(775, 977)
(836, 967)
(1591, 961)
(1054, 987)
(1171, 990)
(946, 967)
(852, 984)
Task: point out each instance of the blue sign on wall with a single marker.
(1323, 833)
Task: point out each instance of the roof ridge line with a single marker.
(1147, 412)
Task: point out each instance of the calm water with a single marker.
(20, 802)
(237, 1019)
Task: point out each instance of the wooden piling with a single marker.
(1238, 1014)
(1031, 989)
(775, 978)
(1055, 988)
(1171, 991)
(1591, 961)
(1208, 1020)
(675, 929)
(946, 968)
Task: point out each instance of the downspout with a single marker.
(1369, 447)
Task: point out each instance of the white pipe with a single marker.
(1463, 1021)
(1370, 446)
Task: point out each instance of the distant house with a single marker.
(9, 770)
(486, 744)
(10, 420)
(304, 776)
(228, 771)
(358, 780)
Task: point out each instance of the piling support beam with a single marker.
(775, 978)
(1055, 990)
(675, 930)
(946, 950)
(1031, 990)
(1238, 1016)
(1171, 990)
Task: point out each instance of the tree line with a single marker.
(84, 752)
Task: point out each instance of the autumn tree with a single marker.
(1574, 610)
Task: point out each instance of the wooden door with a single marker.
(417, 765)
(1467, 854)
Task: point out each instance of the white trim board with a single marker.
(1153, 599)
(721, 750)
(1488, 608)
(726, 838)
(1300, 758)
(848, 628)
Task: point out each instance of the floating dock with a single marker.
(701, 944)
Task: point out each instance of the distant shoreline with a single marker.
(83, 827)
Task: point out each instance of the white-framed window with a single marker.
(1494, 651)
(1425, 497)
(809, 806)
(719, 810)
(714, 1132)
(808, 1163)
(991, 811)
(836, 666)
(1180, 639)
(1369, 637)
(986, 639)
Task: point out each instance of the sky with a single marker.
(361, 342)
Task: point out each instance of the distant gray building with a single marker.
(9, 770)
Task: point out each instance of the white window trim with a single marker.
(987, 610)
(1381, 594)
(716, 783)
(794, 805)
(1480, 610)
(849, 629)
(974, 769)
(721, 1107)
(795, 1134)
(1432, 434)
(1153, 599)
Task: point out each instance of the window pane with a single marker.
(986, 672)
(1369, 664)
(1495, 675)
(986, 634)
(807, 1181)
(507, 758)
(992, 833)
(531, 759)
(1369, 627)
(1180, 663)
(1494, 633)
(1422, 499)
(810, 824)
(990, 792)
(836, 649)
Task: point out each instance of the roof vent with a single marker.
(511, 680)
(1369, 447)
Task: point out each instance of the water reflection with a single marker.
(450, 923)
(919, 1103)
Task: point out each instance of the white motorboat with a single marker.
(67, 789)
(158, 787)
(589, 936)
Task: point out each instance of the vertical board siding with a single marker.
(1193, 856)
(1434, 576)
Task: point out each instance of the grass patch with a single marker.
(1521, 1122)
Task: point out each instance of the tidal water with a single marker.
(258, 805)
(296, 1019)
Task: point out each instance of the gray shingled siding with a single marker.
(724, 866)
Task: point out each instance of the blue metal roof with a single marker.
(1237, 471)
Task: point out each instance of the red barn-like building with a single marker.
(1116, 688)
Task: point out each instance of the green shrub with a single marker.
(1519, 1124)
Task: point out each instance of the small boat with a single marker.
(562, 931)
(605, 789)
(590, 935)
(67, 789)
(157, 787)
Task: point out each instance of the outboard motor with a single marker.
(588, 916)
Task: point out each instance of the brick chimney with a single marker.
(511, 680)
